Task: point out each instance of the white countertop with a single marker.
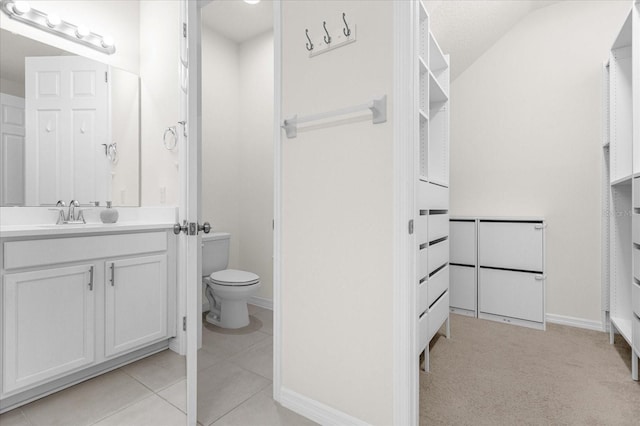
(12, 231)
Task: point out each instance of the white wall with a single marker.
(11, 87)
(526, 139)
(220, 146)
(256, 159)
(337, 214)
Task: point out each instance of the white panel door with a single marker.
(66, 127)
(135, 302)
(12, 123)
(49, 324)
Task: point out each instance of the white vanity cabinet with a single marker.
(75, 305)
(135, 302)
(48, 324)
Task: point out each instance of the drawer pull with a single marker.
(540, 226)
(113, 277)
(541, 277)
(91, 278)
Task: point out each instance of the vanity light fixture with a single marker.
(21, 11)
(252, 1)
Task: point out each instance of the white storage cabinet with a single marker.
(463, 266)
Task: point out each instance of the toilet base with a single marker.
(233, 314)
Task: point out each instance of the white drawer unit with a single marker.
(423, 332)
(636, 334)
(462, 289)
(498, 269)
(438, 224)
(636, 262)
(463, 241)
(635, 297)
(423, 297)
(438, 283)
(422, 227)
(438, 255)
(438, 314)
(636, 229)
(433, 197)
(511, 245)
(636, 193)
(511, 294)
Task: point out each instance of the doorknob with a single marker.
(177, 228)
(205, 227)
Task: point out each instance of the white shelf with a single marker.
(623, 325)
(625, 180)
(437, 61)
(624, 36)
(423, 115)
(436, 92)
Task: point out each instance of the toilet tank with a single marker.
(215, 252)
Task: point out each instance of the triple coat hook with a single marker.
(328, 39)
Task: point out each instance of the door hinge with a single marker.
(411, 227)
(184, 323)
(106, 78)
(184, 29)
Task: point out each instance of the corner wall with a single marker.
(337, 216)
(526, 139)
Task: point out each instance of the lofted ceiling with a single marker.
(465, 29)
(237, 20)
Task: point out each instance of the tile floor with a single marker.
(234, 387)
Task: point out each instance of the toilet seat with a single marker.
(234, 278)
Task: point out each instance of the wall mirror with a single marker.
(70, 127)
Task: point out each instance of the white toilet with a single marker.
(226, 289)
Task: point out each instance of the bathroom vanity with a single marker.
(81, 300)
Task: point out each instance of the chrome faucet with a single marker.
(71, 217)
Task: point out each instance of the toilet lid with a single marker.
(234, 277)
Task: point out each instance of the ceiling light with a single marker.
(53, 21)
(82, 31)
(21, 7)
(252, 1)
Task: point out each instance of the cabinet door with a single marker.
(511, 294)
(48, 324)
(135, 303)
(511, 245)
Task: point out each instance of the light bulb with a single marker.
(82, 31)
(107, 41)
(21, 7)
(252, 1)
(53, 21)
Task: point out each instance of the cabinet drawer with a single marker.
(512, 294)
(636, 263)
(636, 228)
(438, 284)
(423, 262)
(438, 226)
(422, 229)
(438, 255)
(462, 287)
(635, 297)
(432, 197)
(25, 254)
(438, 313)
(513, 245)
(462, 235)
(636, 193)
(635, 326)
(423, 332)
(423, 297)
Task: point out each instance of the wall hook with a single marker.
(310, 44)
(327, 38)
(346, 31)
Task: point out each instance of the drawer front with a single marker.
(511, 294)
(422, 228)
(463, 242)
(513, 245)
(635, 326)
(423, 262)
(423, 332)
(636, 193)
(438, 313)
(438, 284)
(432, 197)
(636, 228)
(438, 226)
(25, 254)
(438, 255)
(635, 297)
(636, 263)
(423, 297)
(462, 287)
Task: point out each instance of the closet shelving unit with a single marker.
(621, 149)
(432, 175)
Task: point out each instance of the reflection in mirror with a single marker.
(70, 127)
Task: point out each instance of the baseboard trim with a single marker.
(262, 302)
(316, 411)
(575, 322)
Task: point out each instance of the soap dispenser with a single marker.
(109, 215)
